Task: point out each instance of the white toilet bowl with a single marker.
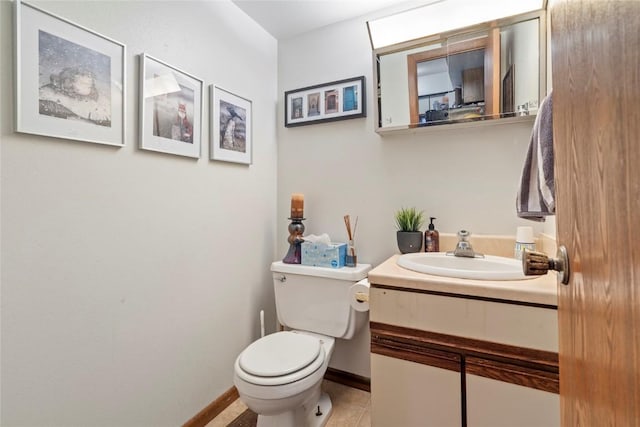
(279, 377)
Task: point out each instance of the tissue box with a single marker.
(322, 255)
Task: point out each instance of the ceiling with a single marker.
(284, 19)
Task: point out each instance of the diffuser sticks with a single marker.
(352, 259)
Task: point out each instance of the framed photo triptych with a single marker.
(339, 100)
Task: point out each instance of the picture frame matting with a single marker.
(70, 80)
(231, 125)
(170, 109)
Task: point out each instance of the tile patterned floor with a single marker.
(351, 408)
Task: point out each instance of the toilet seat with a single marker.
(280, 358)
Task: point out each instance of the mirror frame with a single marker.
(492, 80)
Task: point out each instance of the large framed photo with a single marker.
(170, 109)
(339, 100)
(231, 125)
(70, 81)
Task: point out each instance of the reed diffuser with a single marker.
(352, 258)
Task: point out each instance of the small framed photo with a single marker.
(70, 81)
(170, 109)
(231, 126)
(339, 100)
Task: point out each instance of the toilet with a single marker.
(279, 376)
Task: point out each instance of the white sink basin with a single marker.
(487, 268)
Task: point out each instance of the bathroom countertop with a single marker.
(540, 290)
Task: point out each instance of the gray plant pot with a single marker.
(409, 241)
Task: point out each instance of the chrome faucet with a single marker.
(463, 247)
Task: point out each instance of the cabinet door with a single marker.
(410, 394)
(493, 403)
(473, 85)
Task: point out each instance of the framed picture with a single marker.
(339, 100)
(231, 125)
(69, 80)
(170, 109)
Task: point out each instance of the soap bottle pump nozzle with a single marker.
(431, 226)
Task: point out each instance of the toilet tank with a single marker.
(316, 299)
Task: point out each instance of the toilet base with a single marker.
(309, 415)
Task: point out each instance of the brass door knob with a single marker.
(538, 264)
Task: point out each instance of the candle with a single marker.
(297, 205)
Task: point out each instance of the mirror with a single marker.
(487, 73)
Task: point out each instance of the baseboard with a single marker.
(348, 379)
(212, 410)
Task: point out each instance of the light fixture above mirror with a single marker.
(438, 16)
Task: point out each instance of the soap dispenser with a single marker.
(431, 238)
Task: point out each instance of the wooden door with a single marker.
(596, 116)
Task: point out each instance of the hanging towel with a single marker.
(536, 196)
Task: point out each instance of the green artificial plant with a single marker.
(409, 219)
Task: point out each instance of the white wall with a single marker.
(132, 279)
(466, 178)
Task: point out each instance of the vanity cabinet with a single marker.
(405, 401)
(495, 403)
(442, 358)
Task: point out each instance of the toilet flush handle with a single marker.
(283, 278)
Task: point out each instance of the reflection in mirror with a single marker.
(448, 83)
(492, 72)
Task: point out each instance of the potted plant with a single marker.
(408, 222)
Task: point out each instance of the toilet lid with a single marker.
(279, 354)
